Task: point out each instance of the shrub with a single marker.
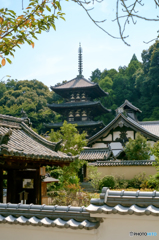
(136, 181)
(121, 182)
(72, 195)
(94, 176)
(107, 181)
(153, 181)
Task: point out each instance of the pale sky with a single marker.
(55, 55)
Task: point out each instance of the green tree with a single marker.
(106, 84)
(95, 77)
(72, 141)
(138, 149)
(32, 96)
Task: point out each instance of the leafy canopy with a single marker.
(72, 141)
(16, 30)
(138, 149)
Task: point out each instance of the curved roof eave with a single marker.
(78, 104)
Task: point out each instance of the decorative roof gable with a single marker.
(129, 105)
(119, 121)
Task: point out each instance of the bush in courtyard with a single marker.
(94, 176)
(136, 181)
(153, 181)
(107, 181)
(72, 195)
(120, 182)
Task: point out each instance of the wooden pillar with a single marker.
(1, 185)
(38, 187)
(11, 186)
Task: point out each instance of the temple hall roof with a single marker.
(121, 120)
(19, 140)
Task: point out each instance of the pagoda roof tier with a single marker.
(76, 84)
(79, 124)
(96, 107)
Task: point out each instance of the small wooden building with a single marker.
(22, 154)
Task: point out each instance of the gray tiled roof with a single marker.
(79, 83)
(95, 154)
(48, 216)
(78, 104)
(79, 123)
(75, 83)
(151, 126)
(119, 209)
(17, 139)
(126, 198)
(124, 163)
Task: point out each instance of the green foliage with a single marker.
(137, 181)
(137, 149)
(153, 181)
(155, 151)
(94, 176)
(72, 141)
(121, 182)
(67, 175)
(138, 82)
(32, 96)
(108, 181)
(73, 196)
(96, 75)
(17, 30)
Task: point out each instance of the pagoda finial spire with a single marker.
(80, 67)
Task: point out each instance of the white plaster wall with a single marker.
(114, 227)
(118, 227)
(108, 138)
(116, 135)
(99, 145)
(20, 232)
(130, 134)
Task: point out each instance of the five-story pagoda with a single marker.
(78, 106)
